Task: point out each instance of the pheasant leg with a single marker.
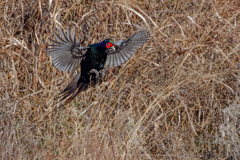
(98, 74)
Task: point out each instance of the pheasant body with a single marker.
(68, 55)
(95, 58)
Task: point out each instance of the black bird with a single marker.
(67, 55)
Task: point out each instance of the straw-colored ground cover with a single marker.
(176, 98)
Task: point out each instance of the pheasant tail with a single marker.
(77, 85)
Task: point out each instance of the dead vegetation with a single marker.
(176, 98)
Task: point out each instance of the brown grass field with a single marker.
(176, 98)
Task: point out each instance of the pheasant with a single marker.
(67, 55)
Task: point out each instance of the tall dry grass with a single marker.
(176, 98)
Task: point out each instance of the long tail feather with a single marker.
(76, 86)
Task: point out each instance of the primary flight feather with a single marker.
(67, 55)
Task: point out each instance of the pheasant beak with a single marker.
(113, 48)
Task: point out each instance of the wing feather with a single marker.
(124, 57)
(126, 48)
(64, 36)
(111, 61)
(121, 58)
(68, 35)
(107, 62)
(117, 60)
(66, 52)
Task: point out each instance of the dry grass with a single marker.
(175, 99)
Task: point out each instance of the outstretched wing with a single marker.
(67, 53)
(124, 49)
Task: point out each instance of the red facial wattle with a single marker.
(109, 45)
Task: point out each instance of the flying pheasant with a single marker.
(67, 55)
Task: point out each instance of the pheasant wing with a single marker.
(66, 53)
(124, 49)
